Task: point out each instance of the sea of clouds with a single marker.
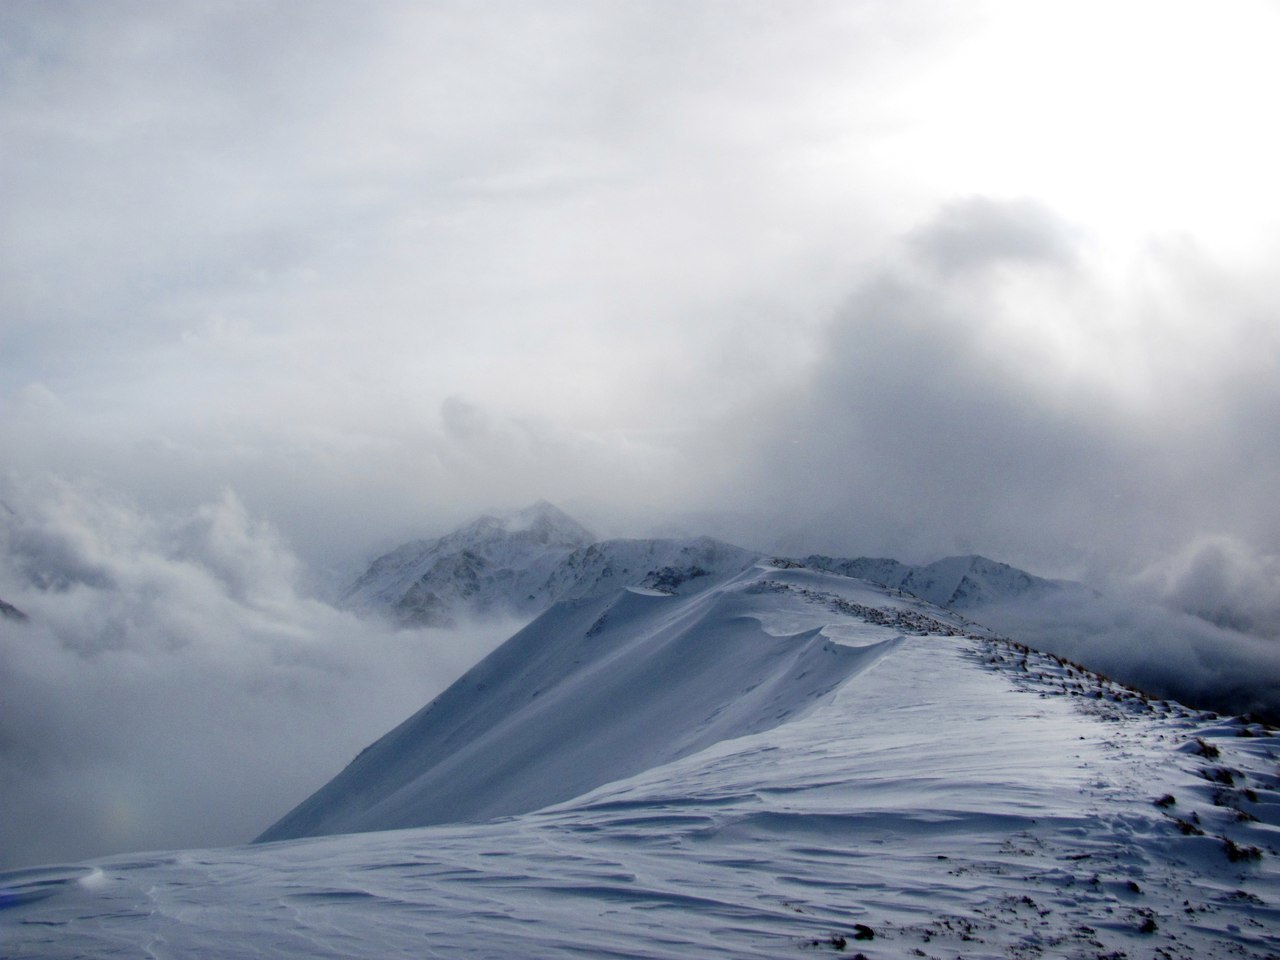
(173, 686)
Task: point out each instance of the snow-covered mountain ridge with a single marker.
(687, 757)
(605, 686)
(492, 568)
(928, 793)
(522, 563)
(491, 565)
(957, 583)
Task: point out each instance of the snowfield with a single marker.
(786, 762)
(592, 691)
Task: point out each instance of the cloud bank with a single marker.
(172, 687)
(1156, 648)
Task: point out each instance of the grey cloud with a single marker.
(1036, 414)
(259, 247)
(1161, 651)
(980, 231)
(913, 432)
(463, 420)
(1222, 580)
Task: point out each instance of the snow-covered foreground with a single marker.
(958, 796)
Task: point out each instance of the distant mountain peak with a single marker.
(544, 517)
(962, 582)
(9, 612)
(543, 522)
(520, 563)
(495, 564)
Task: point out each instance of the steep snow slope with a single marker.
(957, 583)
(491, 565)
(957, 798)
(593, 690)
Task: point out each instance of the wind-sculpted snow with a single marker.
(964, 797)
(593, 691)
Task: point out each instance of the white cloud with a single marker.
(172, 687)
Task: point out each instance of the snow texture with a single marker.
(934, 792)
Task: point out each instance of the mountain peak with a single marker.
(497, 563)
(9, 612)
(541, 522)
(546, 517)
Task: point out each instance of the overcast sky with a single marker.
(926, 277)
(893, 276)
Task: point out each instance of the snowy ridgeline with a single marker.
(519, 565)
(524, 562)
(593, 690)
(786, 762)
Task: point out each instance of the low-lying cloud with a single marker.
(172, 686)
(1222, 580)
(1165, 652)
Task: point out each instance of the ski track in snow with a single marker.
(962, 797)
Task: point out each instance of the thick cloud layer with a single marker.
(171, 686)
(1002, 394)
